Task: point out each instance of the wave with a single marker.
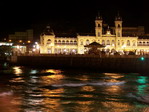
(107, 83)
(141, 98)
(6, 93)
(89, 84)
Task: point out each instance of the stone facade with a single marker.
(49, 43)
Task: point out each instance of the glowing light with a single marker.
(10, 40)
(73, 50)
(52, 71)
(33, 71)
(37, 47)
(20, 41)
(142, 58)
(28, 41)
(142, 80)
(17, 70)
(18, 46)
(34, 49)
(36, 43)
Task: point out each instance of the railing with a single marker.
(65, 43)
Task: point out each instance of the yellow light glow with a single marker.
(17, 70)
(87, 88)
(18, 46)
(20, 41)
(53, 71)
(28, 41)
(10, 40)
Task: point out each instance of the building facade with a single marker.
(112, 40)
(21, 36)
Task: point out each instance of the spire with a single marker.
(118, 17)
(98, 17)
(108, 28)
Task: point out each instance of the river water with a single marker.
(26, 89)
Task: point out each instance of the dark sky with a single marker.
(71, 14)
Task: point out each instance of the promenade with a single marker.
(112, 63)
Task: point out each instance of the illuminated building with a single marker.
(21, 36)
(113, 38)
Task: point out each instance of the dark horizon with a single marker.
(72, 15)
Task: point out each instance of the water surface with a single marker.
(24, 89)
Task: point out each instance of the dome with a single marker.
(48, 31)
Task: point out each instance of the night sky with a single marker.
(74, 15)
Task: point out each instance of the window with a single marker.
(59, 42)
(98, 34)
(75, 42)
(119, 25)
(113, 42)
(49, 41)
(103, 42)
(122, 42)
(118, 43)
(108, 42)
(134, 43)
(128, 42)
(71, 42)
(87, 42)
(67, 42)
(63, 42)
(81, 42)
(118, 34)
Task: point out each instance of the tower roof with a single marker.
(48, 31)
(118, 17)
(98, 17)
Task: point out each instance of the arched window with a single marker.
(134, 43)
(75, 42)
(67, 42)
(103, 42)
(81, 42)
(49, 41)
(108, 42)
(87, 42)
(63, 42)
(119, 25)
(128, 42)
(98, 34)
(71, 42)
(113, 42)
(59, 42)
(99, 25)
(118, 42)
(122, 42)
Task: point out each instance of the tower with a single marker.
(98, 26)
(47, 41)
(118, 26)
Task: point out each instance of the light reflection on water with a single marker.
(49, 90)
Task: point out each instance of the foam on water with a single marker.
(6, 93)
(90, 84)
